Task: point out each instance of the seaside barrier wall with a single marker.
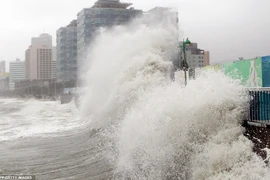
(248, 71)
(252, 72)
(266, 71)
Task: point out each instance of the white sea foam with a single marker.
(135, 55)
(156, 129)
(28, 118)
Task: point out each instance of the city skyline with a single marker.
(228, 29)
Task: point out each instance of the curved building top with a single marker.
(111, 4)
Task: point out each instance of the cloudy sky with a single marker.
(227, 28)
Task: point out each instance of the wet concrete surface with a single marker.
(260, 136)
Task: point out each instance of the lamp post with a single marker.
(184, 64)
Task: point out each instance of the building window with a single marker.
(97, 11)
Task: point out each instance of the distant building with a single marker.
(206, 58)
(16, 72)
(66, 52)
(196, 57)
(39, 58)
(4, 83)
(54, 69)
(54, 63)
(4, 79)
(2, 67)
(43, 39)
(104, 13)
(162, 15)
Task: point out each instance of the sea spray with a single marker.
(154, 129)
(125, 61)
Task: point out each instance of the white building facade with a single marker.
(16, 72)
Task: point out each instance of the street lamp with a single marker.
(184, 64)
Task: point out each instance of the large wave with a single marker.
(153, 128)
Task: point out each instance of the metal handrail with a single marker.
(259, 88)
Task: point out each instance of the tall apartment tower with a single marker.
(16, 72)
(66, 52)
(104, 13)
(39, 58)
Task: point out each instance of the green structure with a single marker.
(252, 72)
(248, 71)
(184, 64)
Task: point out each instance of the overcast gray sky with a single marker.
(227, 28)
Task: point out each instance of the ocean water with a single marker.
(134, 122)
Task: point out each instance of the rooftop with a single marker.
(160, 9)
(111, 4)
(73, 23)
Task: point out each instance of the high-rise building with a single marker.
(54, 69)
(66, 52)
(2, 67)
(162, 15)
(16, 72)
(39, 58)
(104, 13)
(43, 39)
(4, 82)
(54, 63)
